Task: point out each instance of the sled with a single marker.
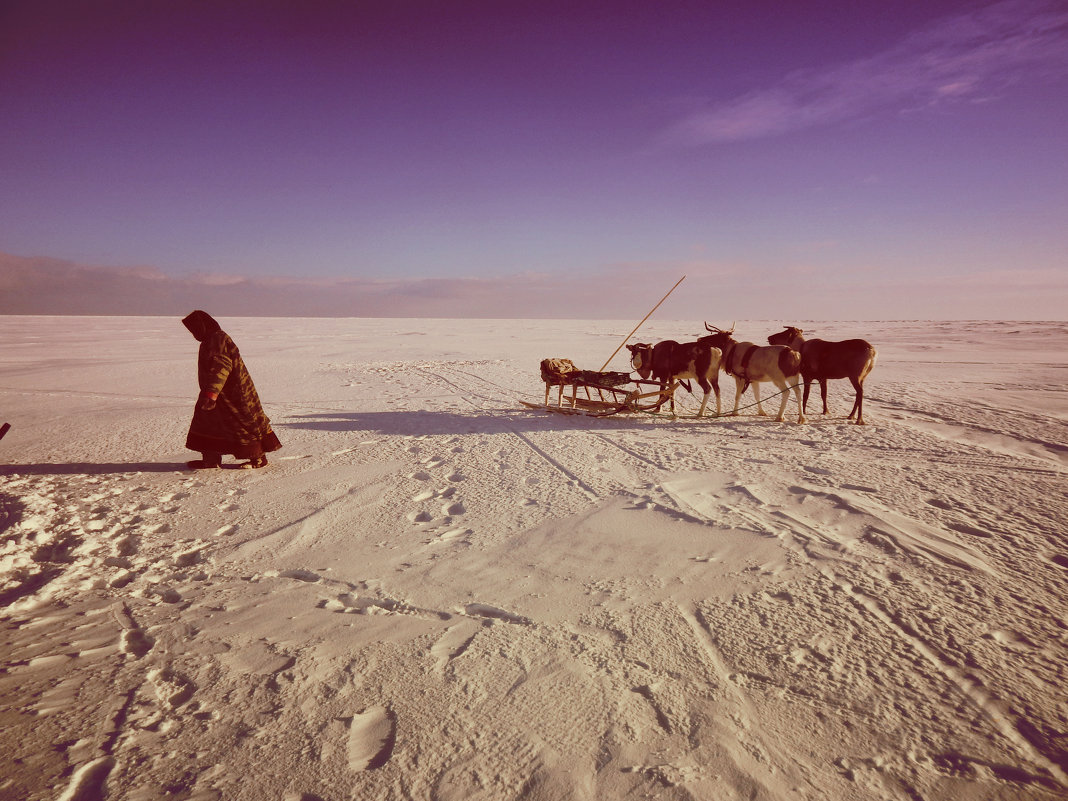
(616, 392)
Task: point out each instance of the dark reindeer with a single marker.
(669, 362)
(822, 360)
(751, 364)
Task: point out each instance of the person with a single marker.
(228, 417)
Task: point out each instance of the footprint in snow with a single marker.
(1013, 640)
(167, 594)
(451, 534)
(344, 602)
(492, 613)
(135, 643)
(88, 781)
(188, 558)
(372, 736)
(172, 688)
(300, 575)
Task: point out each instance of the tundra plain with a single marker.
(435, 593)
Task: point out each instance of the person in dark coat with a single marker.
(228, 418)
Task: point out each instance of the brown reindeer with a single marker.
(822, 360)
(752, 364)
(669, 362)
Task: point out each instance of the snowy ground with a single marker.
(433, 593)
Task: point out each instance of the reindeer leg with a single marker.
(756, 394)
(800, 404)
(804, 401)
(823, 393)
(738, 389)
(782, 403)
(858, 404)
(715, 386)
(706, 387)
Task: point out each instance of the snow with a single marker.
(433, 592)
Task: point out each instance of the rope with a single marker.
(726, 414)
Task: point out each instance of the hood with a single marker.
(201, 325)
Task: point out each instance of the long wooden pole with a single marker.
(639, 325)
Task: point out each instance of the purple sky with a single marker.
(809, 160)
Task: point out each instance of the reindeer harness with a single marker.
(741, 371)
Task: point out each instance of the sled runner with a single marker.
(4, 429)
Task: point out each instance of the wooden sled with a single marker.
(612, 389)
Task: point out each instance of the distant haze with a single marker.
(47, 286)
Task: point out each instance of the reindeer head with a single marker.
(641, 358)
(719, 338)
(788, 337)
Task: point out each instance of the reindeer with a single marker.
(822, 360)
(752, 364)
(670, 362)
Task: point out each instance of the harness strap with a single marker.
(741, 370)
(743, 365)
(746, 357)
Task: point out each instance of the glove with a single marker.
(207, 401)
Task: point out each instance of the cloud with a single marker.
(965, 58)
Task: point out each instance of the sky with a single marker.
(797, 160)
